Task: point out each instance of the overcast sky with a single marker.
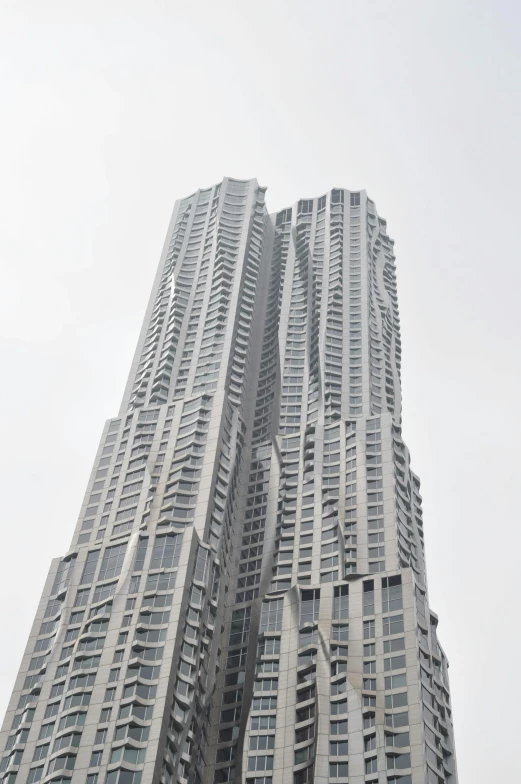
(113, 109)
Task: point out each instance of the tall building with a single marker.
(244, 598)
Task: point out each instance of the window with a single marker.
(398, 761)
(95, 759)
(90, 567)
(266, 684)
(136, 579)
(398, 700)
(235, 658)
(269, 646)
(369, 597)
(341, 602)
(369, 742)
(310, 605)
(394, 663)
(62, 575)
(338, 708)
(41, 752)
(338, 667)
(228, 774)
(73, 719)
(307, 637)
(35, 774)
(76, 699)
(165, 554)
(392, 624)
(67, 761)
(201, 564)
(141, 554)
(338, 770)
(338, 748)
(305, 714)
(369, 629)
(340, 632)
(240, 626)
(305, 734)
(399, 740)
(263, 667)
(46, 730)
(64, 741)
(90, 645)
(53, 607)
(121, 776)
(264, 703)
(128, 754)
(144, 712)
(230, 714)
(394, 645)
(102, 592)
(397, 719)
(371, 765)
(262, 742)
(271, 616)
(82, 597)
(112, 562)
(139, 734)
(260, 762)
(101, 736)
(51, 710)
(392, 593)
(395, 681)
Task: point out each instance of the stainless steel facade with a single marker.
(245, 598)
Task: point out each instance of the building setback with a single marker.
(244, 598)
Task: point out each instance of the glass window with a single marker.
(369, 597)
(393, 624)
(341, 602)
(112, 562)
(166, 552)
(310, 606)
(90, 567)
(369, 629)
(271, 616)
(391, 593)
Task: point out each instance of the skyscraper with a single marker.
(244, 598)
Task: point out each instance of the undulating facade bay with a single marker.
(244, 598)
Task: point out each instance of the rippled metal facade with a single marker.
(244, 598)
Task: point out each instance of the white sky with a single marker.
(111, 110)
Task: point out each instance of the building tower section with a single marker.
(245, 598)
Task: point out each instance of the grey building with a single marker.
(244, 598)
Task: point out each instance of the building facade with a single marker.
(244, 598)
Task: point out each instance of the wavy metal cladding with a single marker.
(245, 597)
